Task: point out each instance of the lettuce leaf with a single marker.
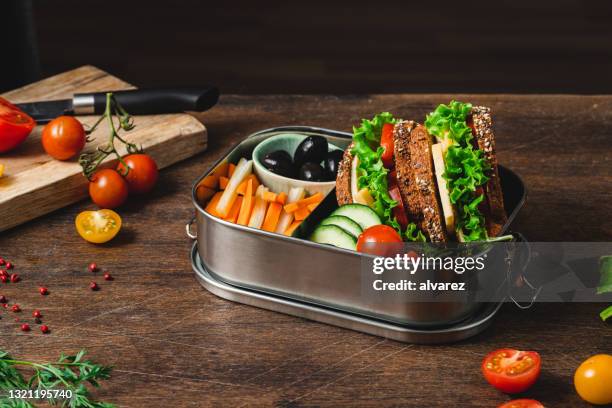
(450, 121)
(414, 234)
(372, 172)
(370, 131)
(465, 167)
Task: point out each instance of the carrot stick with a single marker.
(292, 228)
(247, 205)
(270, 196)
(243, 169)
(256, 182)
(311, 207)
(315, 198)
(230, 170)
(204, 193)
(221, 169)
(223, 182)
(233, 214)
(272, 217)
(291, 207)
(281, 198)
(285, 220)
(210, 181)
(212, 204)
(242, 187)
(301, 214)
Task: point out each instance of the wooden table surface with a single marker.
(174, 344)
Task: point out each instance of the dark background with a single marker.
(551, 46)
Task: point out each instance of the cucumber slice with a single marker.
(345, 223)
(334, 235)
(361, 214)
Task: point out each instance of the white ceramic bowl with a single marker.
(276, 183)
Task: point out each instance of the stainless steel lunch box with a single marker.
(320, 274)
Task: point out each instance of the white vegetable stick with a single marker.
(243, 169)
(285, 220)
(259, 211)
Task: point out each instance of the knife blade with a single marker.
(135, 102)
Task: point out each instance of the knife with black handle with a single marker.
(135, 102)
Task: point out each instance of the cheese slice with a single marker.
(446, 143)
(364, 197)
(447, 207)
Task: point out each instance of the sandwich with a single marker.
(436, 182)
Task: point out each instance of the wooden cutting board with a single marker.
(35, 184)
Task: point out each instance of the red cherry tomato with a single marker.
(386, 141)
(15, 126)
(143, 172)
(511, 371)
(522, 403)
(63, 137)
(381, 240)
(108, 189)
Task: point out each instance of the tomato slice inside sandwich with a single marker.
(386, 142)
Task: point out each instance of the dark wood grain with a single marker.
(174, 344)
(335, 47)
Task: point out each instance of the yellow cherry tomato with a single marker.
(99, 226)
(593, 379)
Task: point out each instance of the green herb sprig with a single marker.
(605, 284)
(70, 373)
(90, 161)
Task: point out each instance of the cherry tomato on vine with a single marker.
(511, 371)
(143, 172)
(522, 403)
(99, 226)
(381, 240)
(63, 137)
(108, 189)
(15, 126)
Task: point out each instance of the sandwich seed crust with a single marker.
(483, 127)
(403, 168)
(418, 188)
(343, 178)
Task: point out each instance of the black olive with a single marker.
(311, 172)
(312, 149)
(332, 162)
(279, 162)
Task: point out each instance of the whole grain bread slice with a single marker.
(343, 178)
(424, 179)
(403, 167)
(483, 127)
